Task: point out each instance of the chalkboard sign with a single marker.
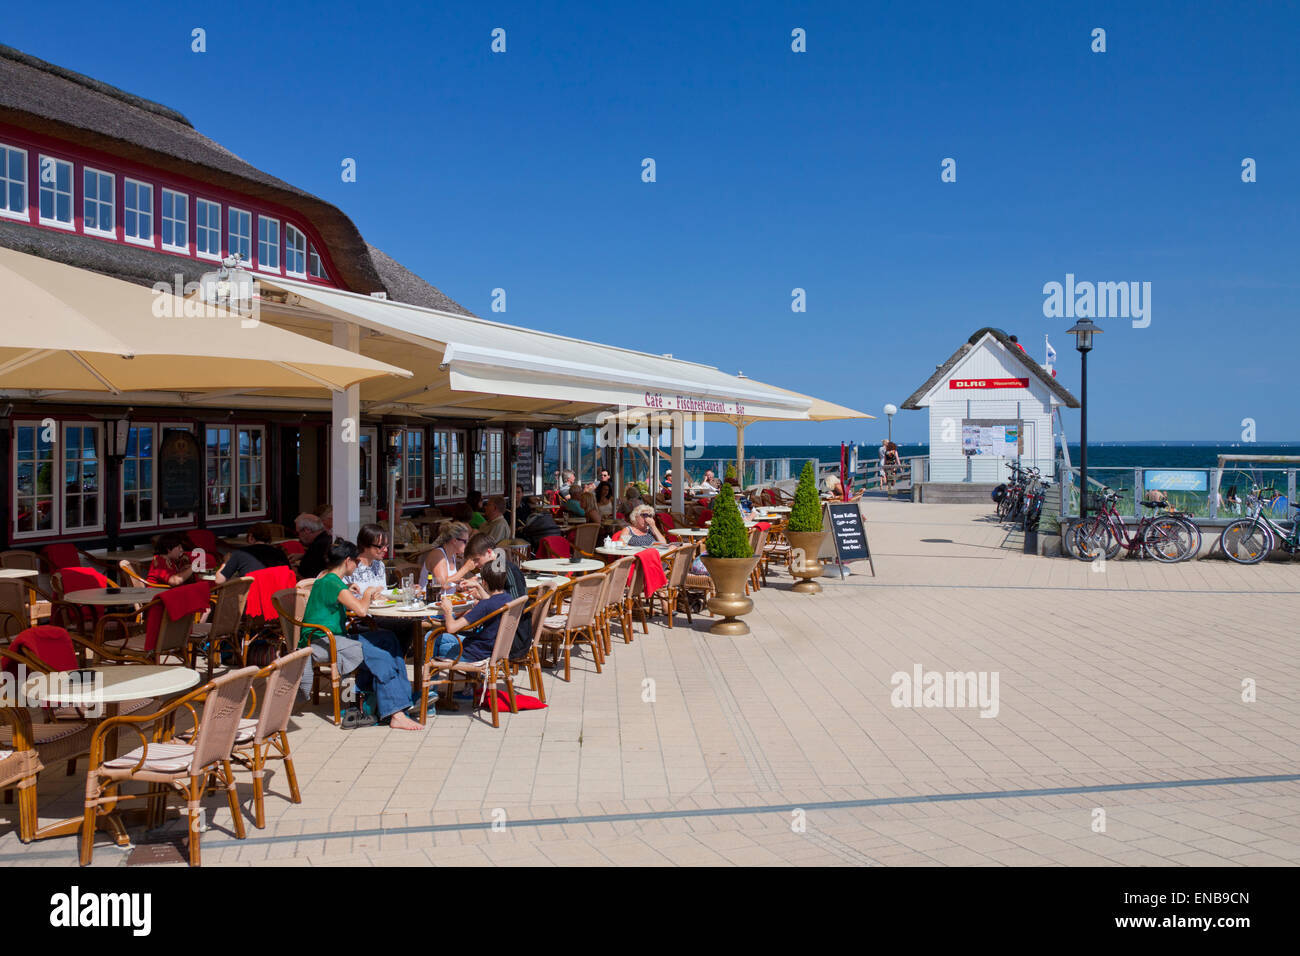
(848, 534)
(180, 472)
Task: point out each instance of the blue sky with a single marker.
(778, 170)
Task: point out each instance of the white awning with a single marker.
(523, 370)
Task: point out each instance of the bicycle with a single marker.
(1249, 540)
(1166, 538)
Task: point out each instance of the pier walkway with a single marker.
(1120, 734)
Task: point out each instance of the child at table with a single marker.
(171, 565)
(476, 646)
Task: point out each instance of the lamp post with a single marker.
(890, 411)
(1083, 331)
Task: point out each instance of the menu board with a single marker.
(180, 472)
(848, 534)
(524, 461)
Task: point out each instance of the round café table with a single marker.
(562, 565)
(689, 532)
(534, 583)
(101, 597)
(110, 687)
(421, 612)
(774, 509)
(11, 573)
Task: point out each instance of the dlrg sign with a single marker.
(988, 383)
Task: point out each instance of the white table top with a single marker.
(17, 573)
(544, 581)
(101, 598)
(399, 611)
(616, 551)
(774, 509)
(135, 554)
(562, 565)
(115, 684)
(689, 532)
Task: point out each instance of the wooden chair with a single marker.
(758, 544)
(614, 602)
(40, 589)
(131, 577)
(172, 639)
(579, 625)
(486, 673)
(165, 762)
(678, 568)
(538, 611)
(267, 737)
(633, 603)
(224, 626)
(15, 609)
(291, 603)
(585, 539)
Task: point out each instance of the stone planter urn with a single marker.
(810, 568)
(729, 577)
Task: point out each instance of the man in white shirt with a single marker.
(496, 528)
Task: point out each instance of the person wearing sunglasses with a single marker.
(445, 562)
(372, 547)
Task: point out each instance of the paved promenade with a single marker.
(1120, 734)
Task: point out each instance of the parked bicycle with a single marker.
(1249, 540)
(1166, 537)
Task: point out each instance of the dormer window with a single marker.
(56, 192)
(240, 234)
(295, 251)
(315, 268)
(268, 244)
(98, 203)
(13, 182)
(137, 212)
(207, 228)
(175, 221)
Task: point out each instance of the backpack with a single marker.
(999, 493)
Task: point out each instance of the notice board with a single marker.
(848, 535)
(1003, 438)
(180, 472)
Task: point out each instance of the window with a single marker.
(56, 192)
(207, 228)
(413, 466)
(241, 235)
(175, 221)
(34, 479)
(137, 211)
(268, 244)
(295, 251)
(138, 489)
(489, 462)
(98, 202)
(236, 469)
(316, 269)
(448, 464)
(13, 182)
(81, 478)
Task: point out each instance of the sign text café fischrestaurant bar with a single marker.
(104, 187)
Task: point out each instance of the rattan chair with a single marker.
(39, 588)
(266, 736)
(678, 568)
(164, 762)
(613, 605)
(486, 673)
(291, 624)
(579, 625)
(173, 638)
(585, 538)
(531, 661)
(25, 750)
(758, 544)
(224, 626)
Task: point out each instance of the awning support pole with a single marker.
(679, 464)
(345, 445)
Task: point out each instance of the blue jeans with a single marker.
(382, 655)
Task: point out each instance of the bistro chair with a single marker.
(579, 625)
(266, 737)
(150, 631)
(613, 605)
(15, 609)
(758, 545)
(291, 603)
(165, 762)
(678, 568)
(532, 659)
(25, 750)
(131, 577)
(224, 626)
(67, 581)
(39, 588)
(486, 674)
(585, 539)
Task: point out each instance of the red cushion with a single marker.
(522, 701)
(51, 645)
(553, 546)
(61, 555)
(82, 579)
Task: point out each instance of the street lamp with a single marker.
(890, 411)
(1083, 331)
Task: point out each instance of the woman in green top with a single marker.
(379, 651)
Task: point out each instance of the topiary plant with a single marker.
(731, 472)
(806, 512)
(727, 535)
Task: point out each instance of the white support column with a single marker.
(740, 452)
(345, 445)
(679, 464)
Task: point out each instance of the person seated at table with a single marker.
(444, 561)
(523, 508)
(573, 505)
(328, 606)
(474, 501)
(605, 501)
(539, 525)
(483, 552)
(833, 487)
(590, 510)
(496, 526)
(631, 498)
(567, 482)
(604, 482)
(259, 553)
(316, 540)
(326, 515)
(642, 531)
(171, 565)
(476, 646)
(711, 480)
(372, 546)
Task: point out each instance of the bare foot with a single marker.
(399, 721)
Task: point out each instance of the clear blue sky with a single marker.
(778, 170)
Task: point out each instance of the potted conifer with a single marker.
(805, 534)
(730, 561)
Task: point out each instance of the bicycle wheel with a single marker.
(1093, 538)
(1167, 540)
(1246, 541)
(1194, 533)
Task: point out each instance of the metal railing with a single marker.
(1222, 500)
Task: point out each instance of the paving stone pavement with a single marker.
(764, 750)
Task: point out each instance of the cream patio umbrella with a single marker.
(67, 329)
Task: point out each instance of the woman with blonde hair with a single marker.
(590, 509)
(642, 530)
(444, 561)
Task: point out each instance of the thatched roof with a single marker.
(50, 100)
(1036, 370)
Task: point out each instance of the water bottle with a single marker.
(429, 597)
